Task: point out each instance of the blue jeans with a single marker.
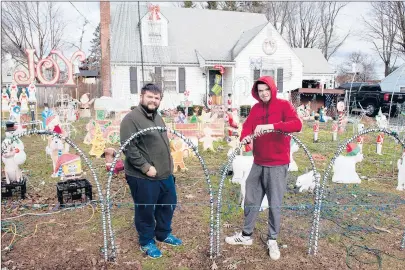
(155, 201)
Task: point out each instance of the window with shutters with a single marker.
(257, 73)
(149, 74)
(170, 79)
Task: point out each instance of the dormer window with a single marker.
(155, 32)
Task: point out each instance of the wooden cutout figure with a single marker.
(13, 92)
(55, 149)
(5, 99)
(98, 143)
(85, 104)
(401, 173)
(32, 93)
(293, 148)
(24, 101)
(207, 140)
(11, 169)
(360, 139)
(344, 169)
(70, 165)
(334, 130)
(316, 128)
(176, 148)
(380, 141)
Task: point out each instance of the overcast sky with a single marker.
(350, 18)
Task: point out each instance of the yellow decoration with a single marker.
(98, 143)
(176, 147)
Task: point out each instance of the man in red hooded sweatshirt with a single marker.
(271, 154)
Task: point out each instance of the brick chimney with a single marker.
(105, 19)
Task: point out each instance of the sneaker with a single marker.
(173, 240)
(274, 252)
(239, 239)
(151, 250)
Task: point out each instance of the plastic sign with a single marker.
(35, 71)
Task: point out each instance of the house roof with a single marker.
(313, 60)
(213, 33)
(245, 38)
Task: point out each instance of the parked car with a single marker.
(372, 98)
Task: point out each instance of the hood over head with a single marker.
(270, 83)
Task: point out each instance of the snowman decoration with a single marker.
(382, 122)
(344, 169)
(401, 173)
(11, 130)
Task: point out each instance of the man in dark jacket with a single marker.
(271, 154)
(149, 173)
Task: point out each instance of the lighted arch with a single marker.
(86, 160)
(110, 175)
(313, 242)
(231, 158)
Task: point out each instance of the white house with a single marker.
(316, 68)
(185, 49)
(394, 82)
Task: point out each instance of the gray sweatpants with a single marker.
(262, 180)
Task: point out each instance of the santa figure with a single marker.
(85, 104)
(316, 128)
(380, 140)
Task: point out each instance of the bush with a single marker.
(244, 110)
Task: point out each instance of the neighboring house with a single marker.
(317, 70)
(394, 82)
(185, 49)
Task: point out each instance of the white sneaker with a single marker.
(274, 252)
(239, 239)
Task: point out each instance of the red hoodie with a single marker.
(271, 149)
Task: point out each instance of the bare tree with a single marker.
(229, 5)
(381, 32)
(253, 6)
(31, 25)
(278, 14)
(330, 42)
(364, 66)
(304, 25)
(397, 11)
(188, 4)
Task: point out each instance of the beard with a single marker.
(146, 108)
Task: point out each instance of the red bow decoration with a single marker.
(154, 10)
(221, 68)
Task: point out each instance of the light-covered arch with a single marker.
(228, 164)
(313, 242)
(110, 175)
(86, 160)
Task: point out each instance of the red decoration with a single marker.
(221, 68)
(316, 127)
(154, 12)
